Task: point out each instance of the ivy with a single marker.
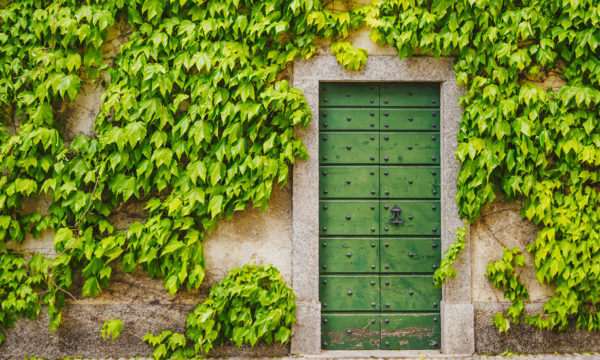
(249, 305)
(21, 289)
(195, 123)
(503, 276)
(517, 138)
(348, 56)
(445, 270)
(111, 329)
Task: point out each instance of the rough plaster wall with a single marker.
(501, 225)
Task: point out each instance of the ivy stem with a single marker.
(89, 203)
(63, 290)
(134, 335)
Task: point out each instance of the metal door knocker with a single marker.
(396, 219)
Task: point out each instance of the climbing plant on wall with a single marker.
(518, 139)
(197, 124)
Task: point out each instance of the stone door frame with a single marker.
(457, 316)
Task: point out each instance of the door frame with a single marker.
(457, 315)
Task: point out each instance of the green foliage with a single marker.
(195, 123)
(20, 289)
(445, 270)
(350, 57)
(503, 276)
(249, 305)
(111, 329)
(170, 345)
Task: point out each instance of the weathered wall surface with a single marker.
(501, 225)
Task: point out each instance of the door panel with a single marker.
(349, 182)
(409, 148)
(349, 255)
(409, 293)
(410, 255)
(379, 214)
(349, 292)
(410, 94)
(410, 182)
(349, 119)
(349, 217)
(349, 94)
(416, 217)
(350, 331)
(349, 148)
(410, 119)
(410, 331)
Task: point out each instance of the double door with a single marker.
(379, 218)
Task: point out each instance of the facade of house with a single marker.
(290, 234)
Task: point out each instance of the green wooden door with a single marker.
(379, 217)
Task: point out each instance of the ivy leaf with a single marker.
(501, 323)
(4, 221)
(91, 287)
(172, 246)
(73, 61)
(152, 8)
(197, 170)
(111, 329)
(135, 132)
(215, 204)
(93, 57)
(283, 335)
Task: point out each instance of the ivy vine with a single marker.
(249, 305)
(502, 274)
(517, 138)
(197, 123)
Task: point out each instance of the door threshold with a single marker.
(387, 354)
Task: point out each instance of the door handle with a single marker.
(396, 219)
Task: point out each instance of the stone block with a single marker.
(377, 68)
(457, 328)
(79, 334)
(499, 226)
(306, 335)
(526, 339)
(305, 219)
